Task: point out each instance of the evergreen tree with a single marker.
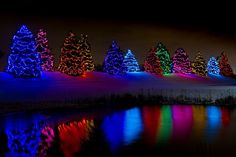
(199, 65)
(130, 62)
(71, 58)
(114, 60)
(85, 49)
(213, 66)
(152, 63)
(181, 62)
(225, 68)
(24, 61)
(164, 57)
(47, 58)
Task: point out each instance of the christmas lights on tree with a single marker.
(213, 66)
(164, 57)
(71, 58)
(85, 49)
(47, 58)
(152, 63)
(181, 62)
(113, 63)
(225, 68)
(130, 62)
(199, 65)
(24, 61)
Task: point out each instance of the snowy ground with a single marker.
(56, 87)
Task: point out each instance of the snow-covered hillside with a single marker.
(56, 87)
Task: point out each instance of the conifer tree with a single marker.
(199, 65)
(181, 62)
(47, 58)
(71, 58)
(152, 63)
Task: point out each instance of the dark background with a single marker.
(208, 27)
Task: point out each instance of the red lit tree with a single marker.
(181, 62)
(199, 65)
(71, 58)
(47, 58)
(225, 68)
(152, 63)
(85, 49)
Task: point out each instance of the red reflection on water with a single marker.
(151, 120)
(73, 134)
(225, 117)
(182, 117)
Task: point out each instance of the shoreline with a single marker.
(114, 102)
(56, 90)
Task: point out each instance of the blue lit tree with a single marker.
(47, 58)
(113, 63)
(24, 61)
(213, 66)
(130, 62)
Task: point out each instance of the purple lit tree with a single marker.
(152, 63)
(47, 58)
(181, 62)
(24, 60)
(114, 60)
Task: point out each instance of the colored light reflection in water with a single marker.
(23, 134)
(132, 125)
(225, 116)
(151, 120)
(214, 122)
(142, 128)
(46, 140)
(182, 122)
(165, 126)
(73, 135)
(112, 127)
(199, 122)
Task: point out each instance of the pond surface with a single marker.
(186, 130)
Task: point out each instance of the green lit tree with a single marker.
(164, 57)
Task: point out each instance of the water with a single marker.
(185, 130)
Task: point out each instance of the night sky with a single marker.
(209, 28)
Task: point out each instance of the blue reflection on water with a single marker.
(133, 125)
(113, 129)
(23, 134)
(214, 121)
